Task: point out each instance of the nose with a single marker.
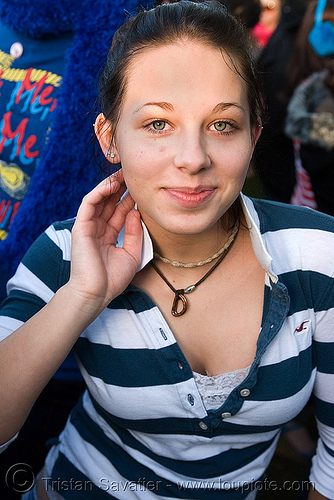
(191, 153)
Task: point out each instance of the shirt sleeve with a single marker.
(322, 471)
(42, 271)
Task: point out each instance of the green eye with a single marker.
(220, 126)
(159, 125)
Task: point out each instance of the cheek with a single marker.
(139, 156)
(144, 164)
(137, 180)
(237, 162)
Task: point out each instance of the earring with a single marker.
(109, 153)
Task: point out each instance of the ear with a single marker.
(104, 133)
(257, 130)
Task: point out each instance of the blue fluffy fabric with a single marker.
(67, 169)
(37, 18)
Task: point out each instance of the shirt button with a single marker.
(164, 336)
(203, 426)
(226, 414)
(244, 393)
(191, 399)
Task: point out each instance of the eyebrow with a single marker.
(221, 106)
(162, 105)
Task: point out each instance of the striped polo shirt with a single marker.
(141, 429)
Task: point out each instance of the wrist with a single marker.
(84, 307)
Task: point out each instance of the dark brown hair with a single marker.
(208, 22)
(246, 11)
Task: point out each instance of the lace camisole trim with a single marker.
(214, 389)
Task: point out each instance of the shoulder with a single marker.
(298, 239)
(305, 92)
(56, 238)
(276, 216)
(43, 270)
(47, 260)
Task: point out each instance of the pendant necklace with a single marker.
(180, 294)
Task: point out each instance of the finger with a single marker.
(108, 187)
(125, 205)
(133, 236)
(118, 175)
(109, 190)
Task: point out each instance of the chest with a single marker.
(219, 330)
(131, 360)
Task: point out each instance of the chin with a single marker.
(183, 225)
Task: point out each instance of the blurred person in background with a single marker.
(268, 21)
(310, 118)
(274, 159)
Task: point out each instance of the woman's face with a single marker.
(184, 137)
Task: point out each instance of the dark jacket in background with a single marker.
(274, 153)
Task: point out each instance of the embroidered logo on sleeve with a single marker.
(302, 327)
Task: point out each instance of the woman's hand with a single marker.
(99, 270)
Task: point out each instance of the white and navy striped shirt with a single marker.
(141, 429)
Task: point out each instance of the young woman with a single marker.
(202, 320)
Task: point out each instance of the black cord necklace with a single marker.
(179, 295)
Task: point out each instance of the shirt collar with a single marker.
(253, 223)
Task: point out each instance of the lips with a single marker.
(190, 197)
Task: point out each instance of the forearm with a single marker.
(32, 354)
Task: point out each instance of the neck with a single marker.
(188, 247)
